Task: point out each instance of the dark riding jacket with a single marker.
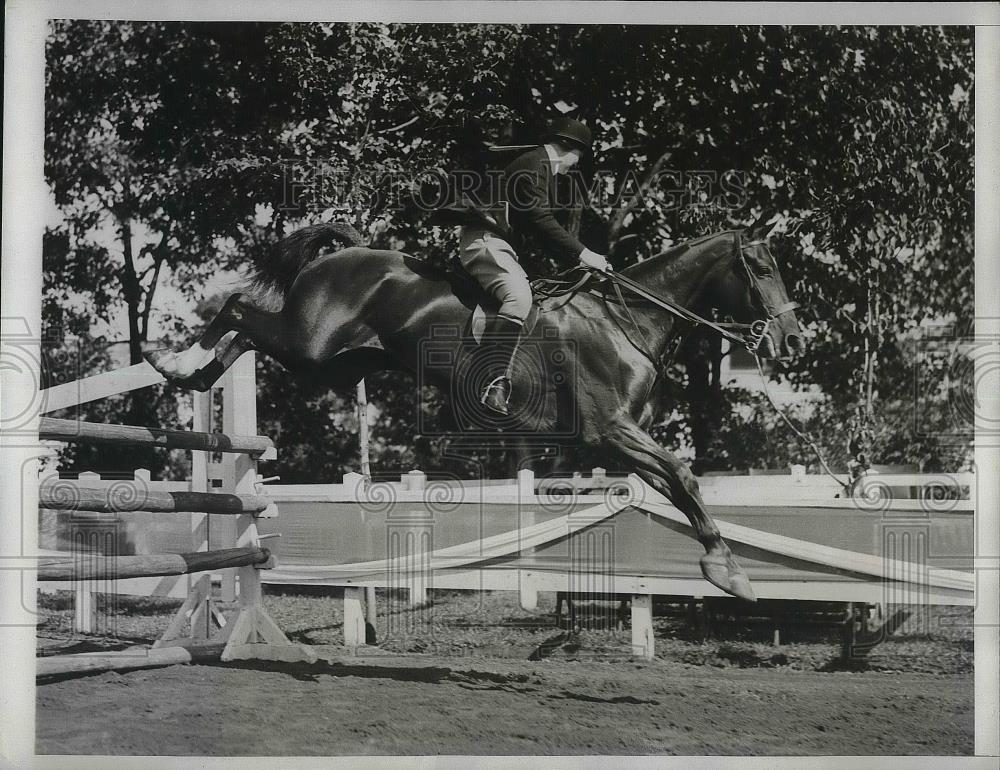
(519, 203)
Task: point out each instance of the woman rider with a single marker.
(524, 209)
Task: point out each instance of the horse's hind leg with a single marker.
(199, 367)
(342, 372)
(183, 364)
(206, 376)
(290, 338)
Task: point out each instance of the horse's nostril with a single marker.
(794, 343)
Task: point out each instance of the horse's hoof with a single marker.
(739, 586)
(723, 572)
(161, 359)
(171, 365)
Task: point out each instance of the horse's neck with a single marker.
(680, 278)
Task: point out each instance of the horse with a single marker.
(589, 367)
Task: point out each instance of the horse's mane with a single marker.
(675, 252)
(275, 269)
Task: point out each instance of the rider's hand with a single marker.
(595, 260)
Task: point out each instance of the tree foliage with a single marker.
(176, 150)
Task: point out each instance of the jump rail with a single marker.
(97, 567)
(73, 431)
(127, 497)
(250, 633)
(126, 660)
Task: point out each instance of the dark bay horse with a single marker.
(588, 371)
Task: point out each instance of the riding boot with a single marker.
(499, 344)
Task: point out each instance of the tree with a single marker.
(177, 150)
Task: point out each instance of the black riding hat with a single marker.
(572, 132)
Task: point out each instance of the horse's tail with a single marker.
(275, 269)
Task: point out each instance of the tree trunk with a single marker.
(702, 357)
(132, 292)
(141, 410)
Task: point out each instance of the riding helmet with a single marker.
(572, 132)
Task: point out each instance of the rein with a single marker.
(617, 279)
(805, 436)
(749, 335)
(549, 288)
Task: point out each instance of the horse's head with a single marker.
(752, 292)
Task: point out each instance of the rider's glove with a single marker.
(595, 260)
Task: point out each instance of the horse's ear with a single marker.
(760, 229)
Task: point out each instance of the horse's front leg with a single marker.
(669, 476)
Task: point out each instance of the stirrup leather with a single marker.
(497, 394)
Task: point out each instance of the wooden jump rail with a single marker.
(74, 431)
(128, 497)
(250, 633)
(85, 566)
(125, 660)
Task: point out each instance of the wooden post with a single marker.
(419, 594)
(371, 616)
(354, 485)
(240, 471)
(642, 626)
(414, 481)
(85, 609)
(201, 615)
(85, 604)
(848, 635)
(354, 619)
(362, 395)
(528, 593)
(366, 473)
(252, 634)
(417, 543)
(359, 622)
(599, 476)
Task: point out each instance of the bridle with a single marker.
(749, 335)
(758, 329)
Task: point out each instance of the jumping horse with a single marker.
(588, 369)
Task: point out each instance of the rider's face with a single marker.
(563, 158)
(570, 159)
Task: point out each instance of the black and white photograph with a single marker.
(466, 382)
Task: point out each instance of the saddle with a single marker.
(547, 292)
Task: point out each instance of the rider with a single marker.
(523, 208)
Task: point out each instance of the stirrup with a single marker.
(496, 395)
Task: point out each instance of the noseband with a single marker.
(758, 329)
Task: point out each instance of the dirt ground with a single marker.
(459, 678)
